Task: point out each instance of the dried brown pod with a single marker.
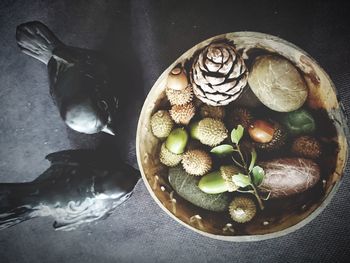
(179, 97)
(215, 112)
(307, 146)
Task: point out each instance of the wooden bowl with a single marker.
(322, 94)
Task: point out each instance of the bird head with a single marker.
(87, 118)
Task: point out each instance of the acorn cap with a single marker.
(182, 114)
(196, 162)
(227, 171)
(215, 112)
(177, 79)
(168, 158)
(179, 97)
(277, 140)
(239, 116)
(161, 124)
(307, 146)
(211, 131)
(242, 209)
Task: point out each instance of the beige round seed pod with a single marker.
(168, 158)
(211, 131)
(196, 162)
(161, 124)
(242, 209)
(182, 114)
(215, 112)
(179, 97)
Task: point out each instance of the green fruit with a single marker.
(299, 122)
(177, 140)
(213, 183)
(186, 186)
(219, 181)
(194, 130)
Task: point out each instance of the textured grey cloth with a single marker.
(152, 35)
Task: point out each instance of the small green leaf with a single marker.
(237, 134)
(241, 180)
(258, 175)
(253, 159)
(222, 150)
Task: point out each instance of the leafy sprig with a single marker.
(253, 174)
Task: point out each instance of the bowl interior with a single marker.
(299, 210)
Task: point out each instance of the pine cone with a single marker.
(218, 74)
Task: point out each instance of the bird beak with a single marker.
(108, 130)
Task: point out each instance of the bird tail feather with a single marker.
(37, 40)
(13, 209)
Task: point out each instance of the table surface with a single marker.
(151, 35)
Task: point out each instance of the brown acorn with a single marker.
(196, 162)
(177, 79)
(267, 136)
(182, 114)
(307, 146)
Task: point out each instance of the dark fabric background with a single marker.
(152, 34)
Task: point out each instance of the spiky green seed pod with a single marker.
(210, 132)
(161, 124)
(168, 158)
(196, 162)
(242, 209)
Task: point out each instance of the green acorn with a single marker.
(196, 162)
(219, 181)
(215, 112)
(242, 209)
(161, 124)
(177, 140)
(168, 158)
(209, 131)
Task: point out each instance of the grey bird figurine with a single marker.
(79, 187)
(79, 79)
